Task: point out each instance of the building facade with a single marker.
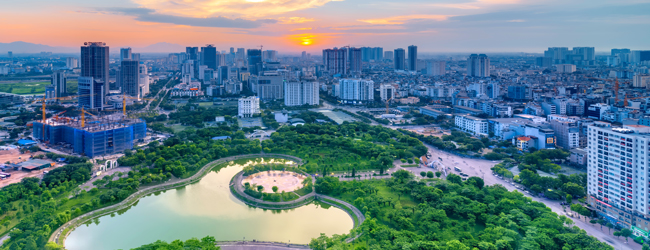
(478, 65)
(298, 93)
(248, 106)
(473, 125)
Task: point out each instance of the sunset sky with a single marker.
(311, 25)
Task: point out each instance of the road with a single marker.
(481, 168)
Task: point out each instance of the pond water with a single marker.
(202, 209)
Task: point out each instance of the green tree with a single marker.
(438, 174)
(275, 189)
(423, 174)
(569, 199)
(260, 188)
(625, 232)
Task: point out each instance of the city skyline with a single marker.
(294, 26)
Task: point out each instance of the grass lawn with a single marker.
(303, 191)
(24, 88)
(178, 127)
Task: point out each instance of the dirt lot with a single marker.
(14, 156)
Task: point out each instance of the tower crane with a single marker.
(83, 116)
(625, 103)
(44, 102)
(616, 85)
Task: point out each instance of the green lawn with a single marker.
(178, 127)
(32, 88)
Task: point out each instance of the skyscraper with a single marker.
(125, 53)
(241, 54)
(71, 63)
(209, 57)
(224, 74)
(335, 61)
(254, 61)
(378, 53)
(413, 58)
(129, 77)
(94, 63)
(355, 59)
(478, 65)
(192, 53)
(388, 55)
(91, 92)
(436, 68)
(399, 58)
(557, 53)
(135, 56)
(59, 83)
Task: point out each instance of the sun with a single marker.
(306, 42)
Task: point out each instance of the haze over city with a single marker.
(324, 125)
(297, 25)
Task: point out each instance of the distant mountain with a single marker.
(33, 48)
(160, 48)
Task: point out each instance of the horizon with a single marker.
(294, 26)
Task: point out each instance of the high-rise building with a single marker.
(10, 54)
(388, 55)
(125, 54)
(387, 91)
(355, 90)
(192, 53)
(567, 133)
(378, 53)
(94, 63)
(558, 54)
(518, 92)
(641, 81)
(565, 68)
(59, 83)
(399, 58)
(413, 58)
(478, 65)
(617, 173)
(254, 61)
(587, 53)
(240, 54)
(270, 55)
(130, 77)
(302, 92)
(209, 56)
(493, 90)
(223, 74)
(91, 92)
(544, 62)
(71, 63)
(268, 85)
(436, 68)
(143, 81)
(135, 56)
(355, 60)
(188, 68)
(335, 61)
(639, 56)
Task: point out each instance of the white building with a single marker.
(72, 63)
(641, 81)
(387, 91)
(436, 68)
(355, 90)
(618, 174)
(472, 125)
(565, 68)
(298, 93)
(248, 106)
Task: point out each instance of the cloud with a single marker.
(517, 21)
(404, 19)
(238, 8)
(301, 29)
(294, 20)
(149, 15)
(461, 6)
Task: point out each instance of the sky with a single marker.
(312, 25)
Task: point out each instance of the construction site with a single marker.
(90, 135)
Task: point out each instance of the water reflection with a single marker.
(207, 208)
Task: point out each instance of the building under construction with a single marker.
(94, 136)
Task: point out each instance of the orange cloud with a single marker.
(300, 29)
(294, 20)
(237, 8)
(403, 19)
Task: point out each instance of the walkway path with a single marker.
(258, 245)
(58, 238)
(236, 183)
